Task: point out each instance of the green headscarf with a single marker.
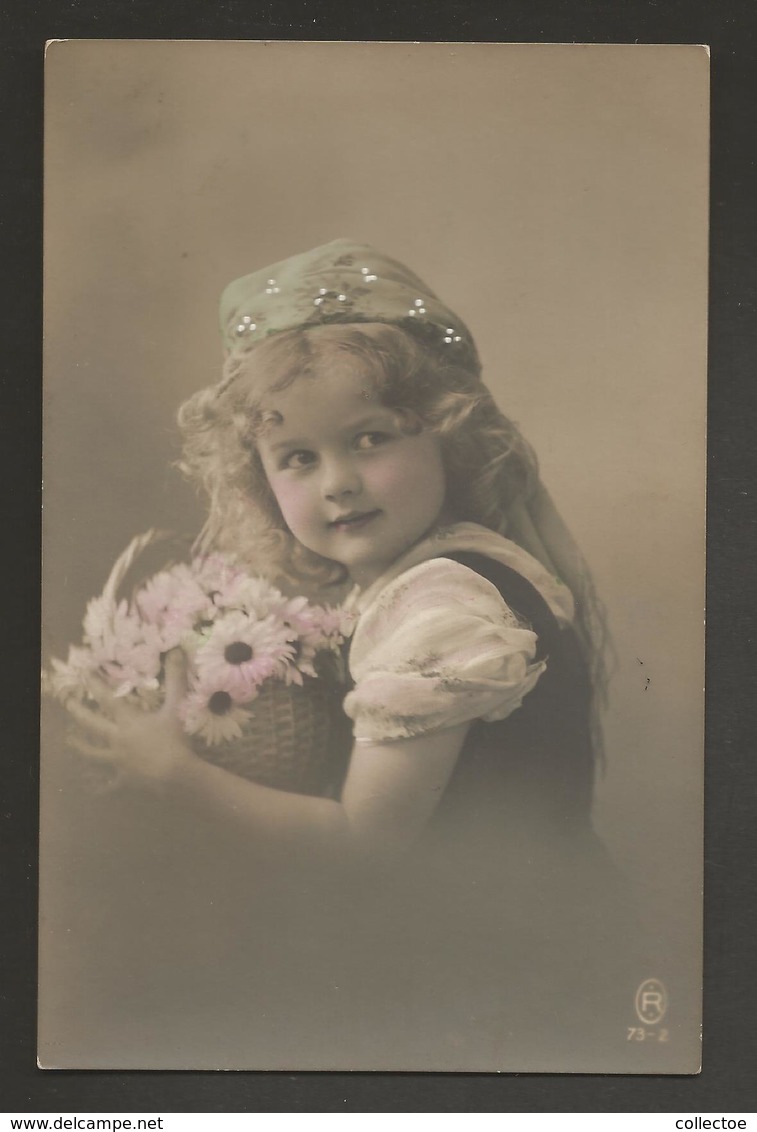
(340, 282)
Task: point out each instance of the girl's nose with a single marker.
(340, 478)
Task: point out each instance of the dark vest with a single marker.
(535, 768)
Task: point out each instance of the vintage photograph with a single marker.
(374, 437)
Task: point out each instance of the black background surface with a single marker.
(727, 1082)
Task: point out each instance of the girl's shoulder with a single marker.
(438, 584)
(431, 563)
(438, 646)
(439, 604)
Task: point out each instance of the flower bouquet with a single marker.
(265, 676)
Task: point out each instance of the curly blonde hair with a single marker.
(487, 462)
(491, 471)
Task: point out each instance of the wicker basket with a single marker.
(297, 739)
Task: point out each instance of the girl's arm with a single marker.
(390, 792)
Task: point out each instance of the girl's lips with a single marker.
(353, 522)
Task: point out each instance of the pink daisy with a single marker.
(311, 629)
(241, 653)
(125, 649)
(98, 619)
(300, 625)
(72, 678)
(172, 601)
(216, 573)
(230, 588)
(212, 714)
(254, 596)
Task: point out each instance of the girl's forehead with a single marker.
(336, 368)
(319, 398)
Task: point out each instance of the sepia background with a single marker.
(554, 196)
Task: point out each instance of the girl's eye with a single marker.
(371, 439)
(302, 458)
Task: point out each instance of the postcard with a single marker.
(374, 437)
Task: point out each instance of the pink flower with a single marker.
(212, 714)
(217, 575)
(310, 629)
(254, 596)
(125, 649)
(241, 653)
(300, 625)
(230, 588)
(71, 679)
(172, 601)
(236, 630)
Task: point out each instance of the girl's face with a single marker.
(351, 485)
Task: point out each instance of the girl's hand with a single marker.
(144, 748)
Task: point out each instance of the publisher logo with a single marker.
(651, 1002)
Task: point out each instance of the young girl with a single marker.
(448, 887)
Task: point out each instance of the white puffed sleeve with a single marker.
(437, 647)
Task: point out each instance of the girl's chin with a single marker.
(364, 574)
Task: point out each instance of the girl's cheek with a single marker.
(292, 500)
(417, 470)
(390, 477)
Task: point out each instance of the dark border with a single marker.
(730, 28)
